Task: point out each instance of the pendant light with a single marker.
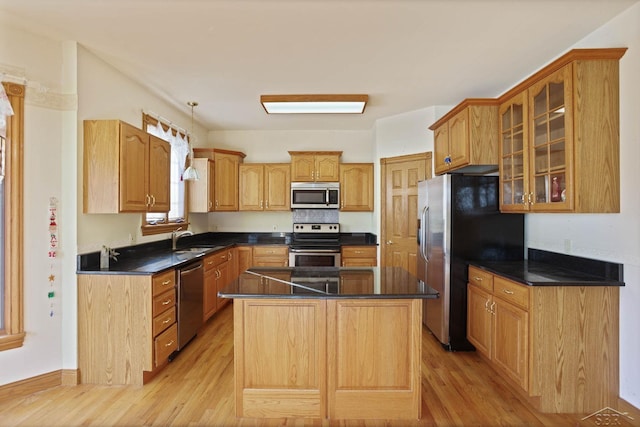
(190, 173)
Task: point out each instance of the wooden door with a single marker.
(210, 293)
(244, 255)
(459, 139)
(159, 174)
(514, 166)
(441, 148)
(356, 187)
(277, 186)
(327, 167)
(479, 320)
(510, 351)
(251, 194)
(134, 169)
(399, 200)
(226, 182)
(302, 167)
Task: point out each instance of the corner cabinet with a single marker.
(559, 133)
(467, 137)
(126, 327)
(531, 335)
(265, 187)
(320, 166)
(124, 169)
(356, 187)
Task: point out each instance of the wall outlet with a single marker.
(568, 246)
(275, 227)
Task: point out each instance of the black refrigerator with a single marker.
(459, 220)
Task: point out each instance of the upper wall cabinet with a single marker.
(466, 138)
(559, 131)
(265, 187)
(201, 192)
(356, 187)
(125, 169)
(315, 166)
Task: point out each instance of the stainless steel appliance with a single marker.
(315, 195)
(458, 221)
(315, 245)
(190, 302)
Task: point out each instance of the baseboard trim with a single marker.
(31, 385)
(70, 377)
(629, 409)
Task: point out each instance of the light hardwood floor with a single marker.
(196, 389)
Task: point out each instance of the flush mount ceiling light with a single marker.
(314, 104)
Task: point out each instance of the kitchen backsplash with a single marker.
(318, 216)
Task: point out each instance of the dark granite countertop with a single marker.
(155, 257)
(544, 268)
(328, 282)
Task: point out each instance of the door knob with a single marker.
(389, 242)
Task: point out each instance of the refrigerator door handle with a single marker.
(424, 233)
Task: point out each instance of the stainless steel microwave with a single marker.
(315, 195)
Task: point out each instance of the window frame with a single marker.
(13, 334)
(148, 229)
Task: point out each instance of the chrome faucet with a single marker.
(176, 234)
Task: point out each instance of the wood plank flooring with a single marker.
(196, 389)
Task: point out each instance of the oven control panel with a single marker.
(316, 228)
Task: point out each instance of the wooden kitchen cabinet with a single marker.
(125, 169)
(202, 191)
(559, 130)
(226, 179)
(126, 327)
(244, 257)
(359, 256)
(310, 166)
(217, 274)
(265, 187)
(270, 256)
(467, 137)
(356, 187)
(527, 334)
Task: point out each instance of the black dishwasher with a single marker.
(190, 304)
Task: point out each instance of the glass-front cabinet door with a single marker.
(513, 154)
(551, 142)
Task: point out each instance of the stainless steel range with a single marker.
(315, 245)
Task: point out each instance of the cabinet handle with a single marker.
(167, 302)
(507, 291)
(147, 200)
(266, 204)
(389, 242)
(486, 305)
(210, 204)
(261, 204)
(530, 198)
(167, 320)
(209, 262)
(230, 255)
(216, 203)
(169, 344)
(493, 306)
(153, 200)
(166, 282)
(358, 252)
(477, 279)
(524, 198)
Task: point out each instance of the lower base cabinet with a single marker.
(359, 256)
(339, 359)
(557, 345)
(219, 271)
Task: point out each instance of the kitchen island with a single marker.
(339, 343)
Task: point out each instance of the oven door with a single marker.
(311, 258)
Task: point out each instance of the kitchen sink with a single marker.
(191, 250)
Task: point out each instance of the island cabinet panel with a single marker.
(338, 359)
(280, 351)
(374, 352)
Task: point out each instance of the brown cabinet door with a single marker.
(277, 187)
(514, 154)
(210, 292)
(356, 187)
(479, 319)
(441, 149)
(134, 169)
(226, 181)
(510, 351)
(302, 167)
(327, 168)
(159, 175)
(251, 194)
(459, 139)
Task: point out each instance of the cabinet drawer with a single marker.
(216, 259)
(481, 278)
(164, 320)
(163, 282)
(512, 292)
(165, 344)
(359, 252)
(269, 251)
(164, 302)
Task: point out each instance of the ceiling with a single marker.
(405, 54)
